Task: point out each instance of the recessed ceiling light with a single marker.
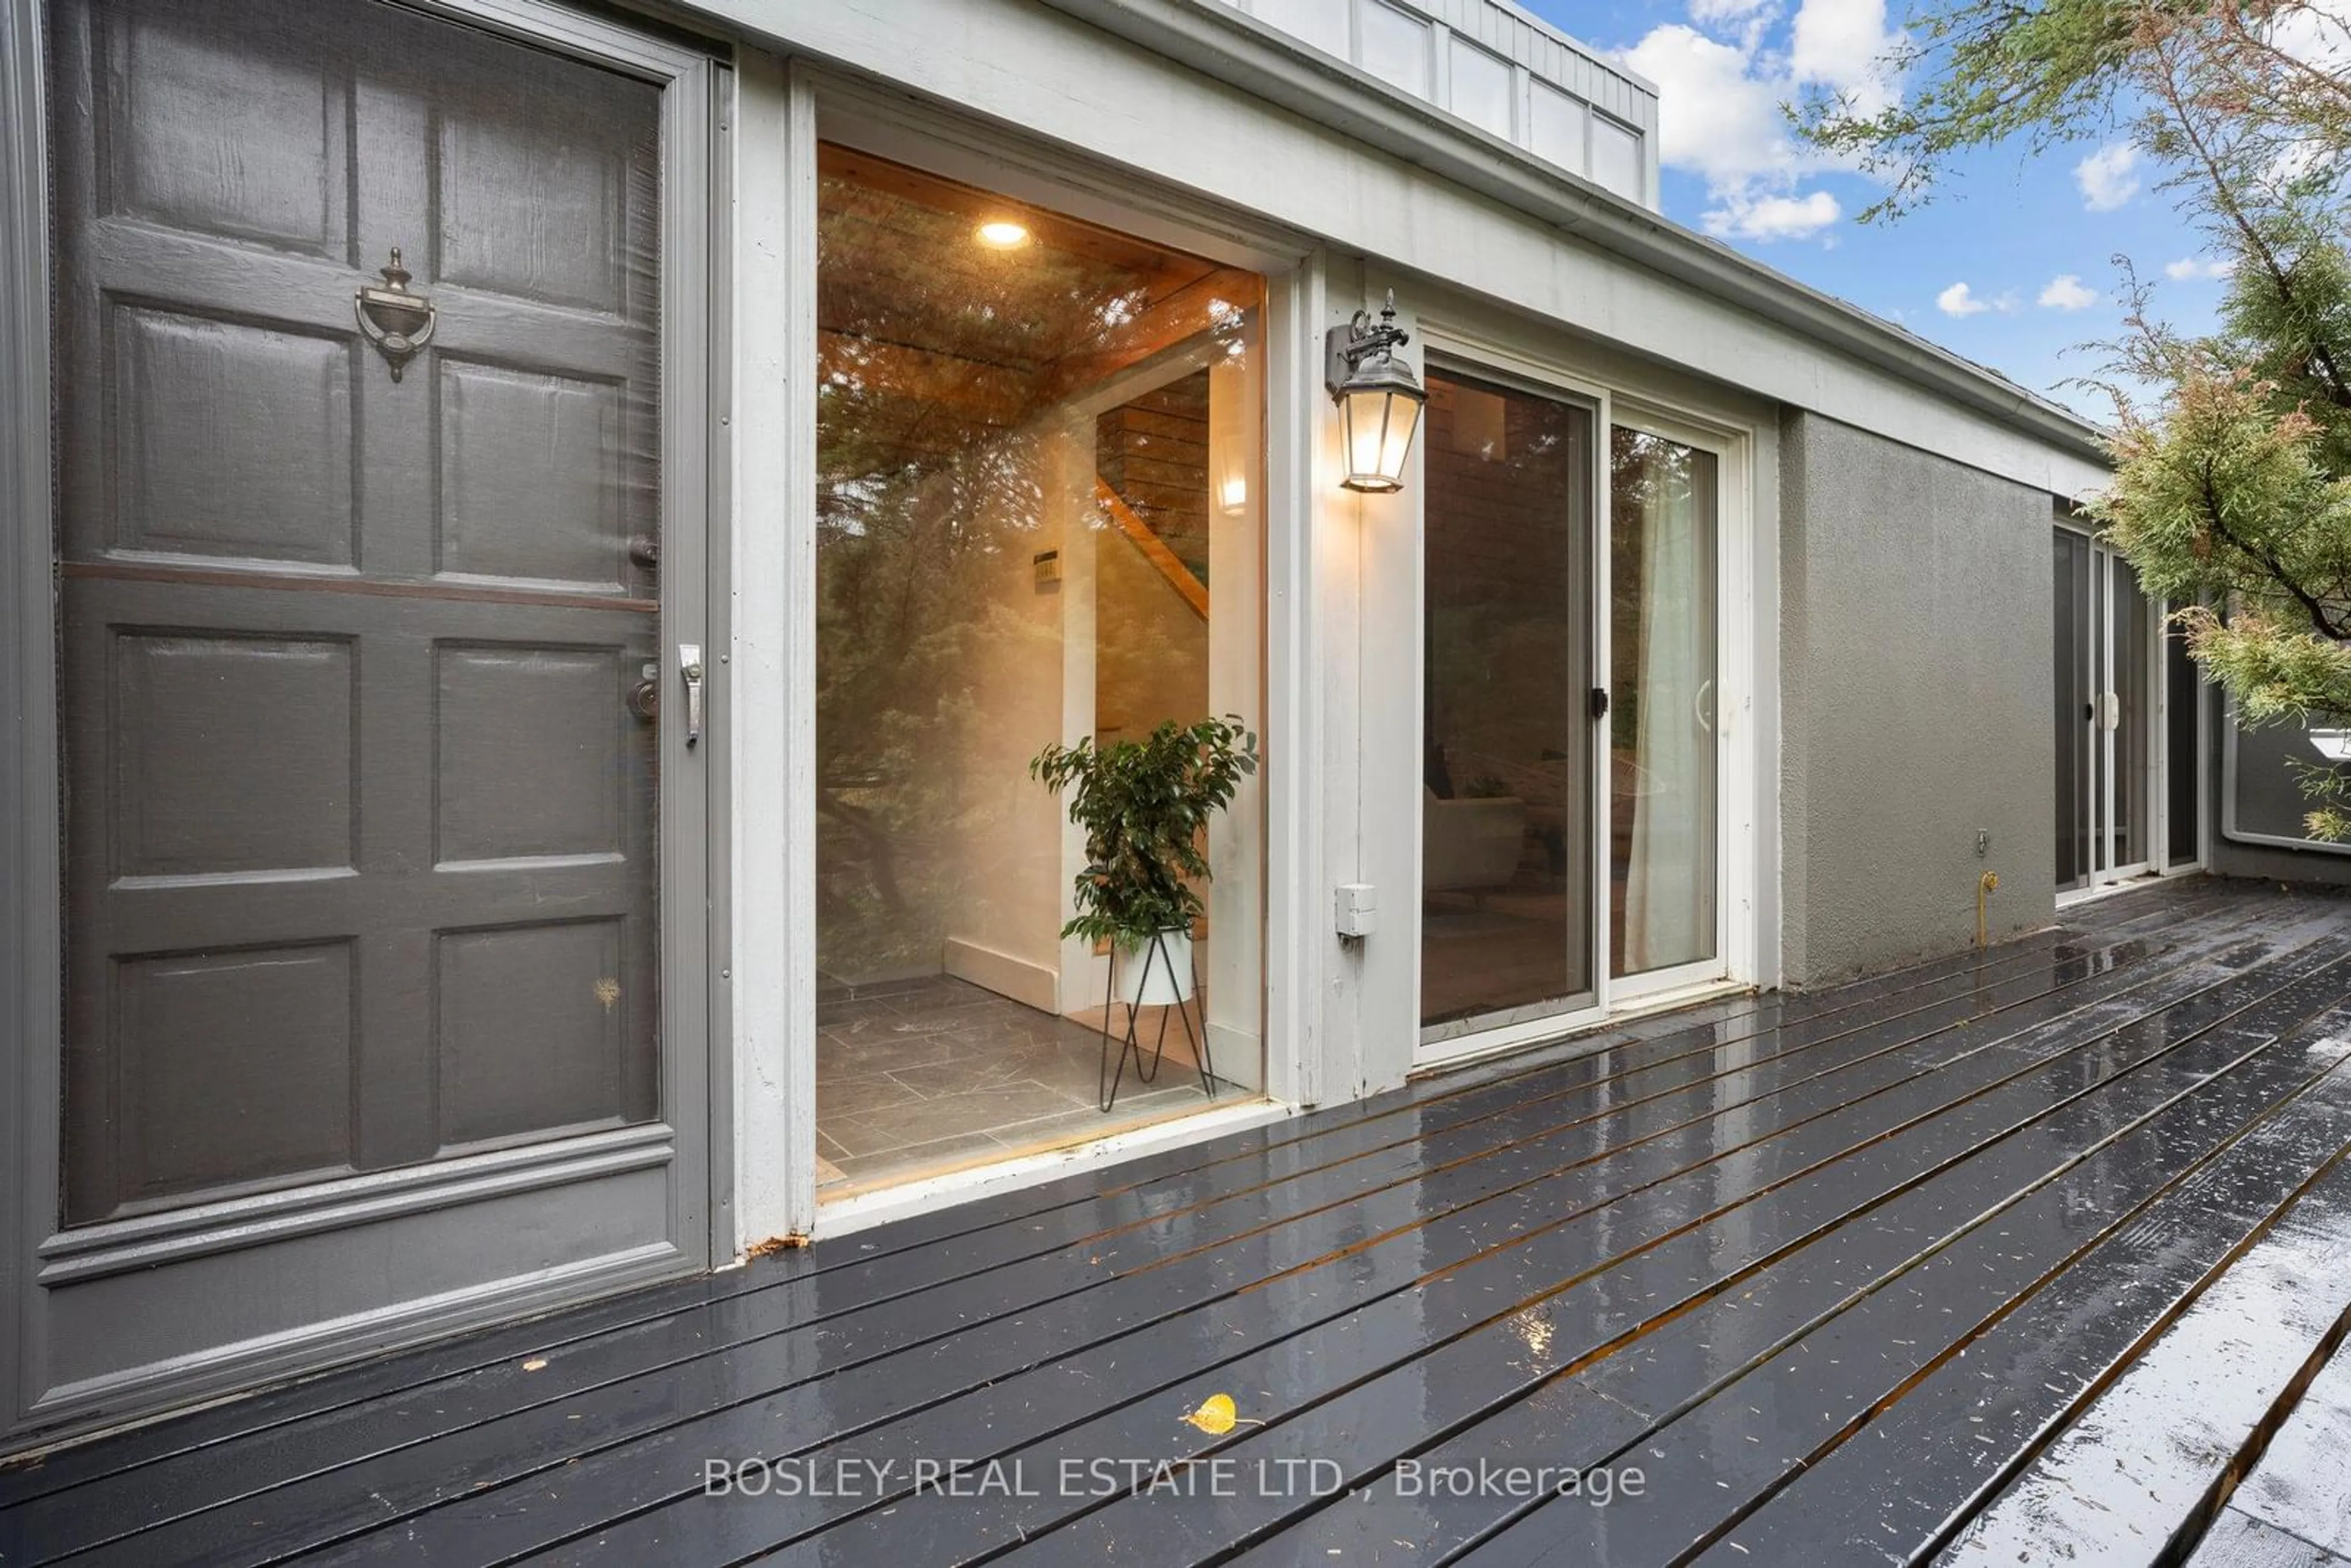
(1003, 234)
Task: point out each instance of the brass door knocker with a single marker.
(395, 321)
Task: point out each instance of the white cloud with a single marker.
(2108, 177)
(1841, 44)
(1720, 90)
(1715, 13)
(2065, 293)
(1958, 300)
(2297, 157)
(2317, 34)
(1766, 218)
(2188, 269)
(1714, 118)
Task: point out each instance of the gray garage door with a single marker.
(372, 698)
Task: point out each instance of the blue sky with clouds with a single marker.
(2011, 265)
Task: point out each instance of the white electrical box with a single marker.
(1359, 909)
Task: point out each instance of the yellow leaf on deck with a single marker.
(1217, 1414)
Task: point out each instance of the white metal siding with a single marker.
(1539, 56)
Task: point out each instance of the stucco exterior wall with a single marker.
(1915, 648)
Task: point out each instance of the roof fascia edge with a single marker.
(1237, 49)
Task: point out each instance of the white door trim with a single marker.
(770, 973)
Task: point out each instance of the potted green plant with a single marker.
(1145, 806)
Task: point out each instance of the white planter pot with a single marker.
(1142, 977)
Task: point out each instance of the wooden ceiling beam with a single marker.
(1072, 235)
(1168, 320)
(1154, 549)
(998, 394)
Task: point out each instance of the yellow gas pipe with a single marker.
(1985, 886)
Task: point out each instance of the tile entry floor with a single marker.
(923, 1075)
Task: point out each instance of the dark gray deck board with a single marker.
(1643, 1177)
(1618, 1219)
(1019, 1217)
(1974, 1423)
(1397, 1188)
(1842, 1269)
(2119, 920)
(1614, 1373)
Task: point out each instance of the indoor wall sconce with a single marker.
(1379, 399)
(1232, 431)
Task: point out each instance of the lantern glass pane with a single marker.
(1404, 415)
(1364, 416)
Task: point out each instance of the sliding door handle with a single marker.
(689, 665)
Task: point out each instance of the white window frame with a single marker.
(2235, 834)
(776, 1077)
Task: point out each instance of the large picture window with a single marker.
(1038, 493)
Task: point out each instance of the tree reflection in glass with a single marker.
(1035, 439)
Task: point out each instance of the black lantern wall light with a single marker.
(1379, 399)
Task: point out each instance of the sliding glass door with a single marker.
(2106, 763)
(1507, 930)
(1663, 755)
(1571, 645)
(2183, 763)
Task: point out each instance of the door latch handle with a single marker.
(689, 665)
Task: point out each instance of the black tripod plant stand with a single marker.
(1109, 1078)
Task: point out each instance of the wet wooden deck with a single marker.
(2014, 1257)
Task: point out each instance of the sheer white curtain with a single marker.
(1667, 492)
